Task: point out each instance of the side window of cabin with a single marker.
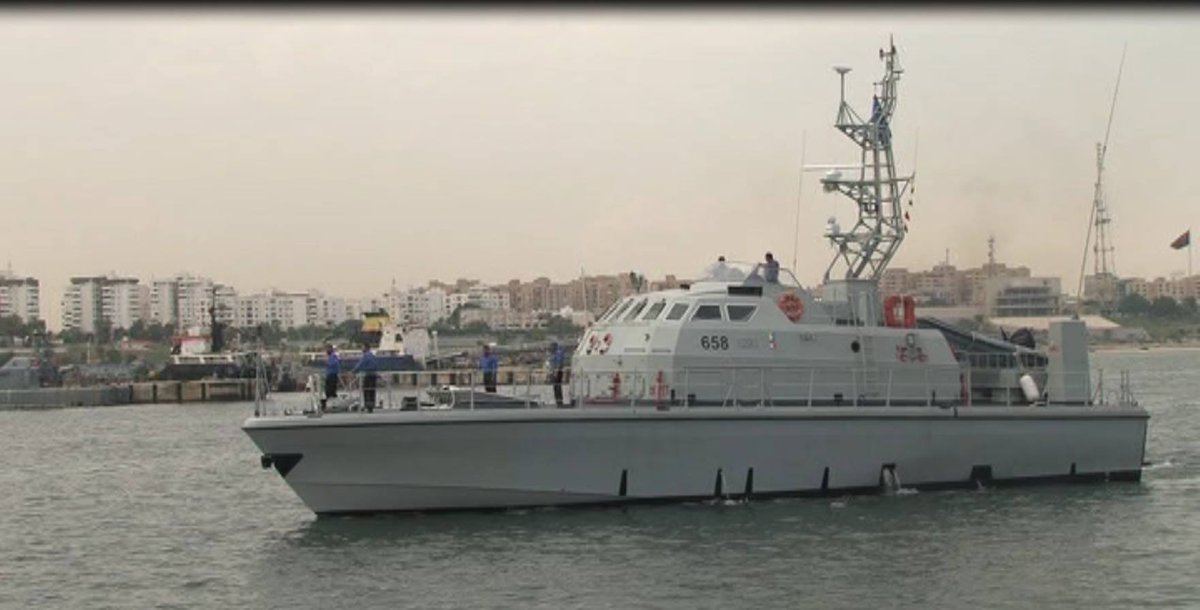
(633, 313)
(707, 312)
(740, 313)
(677, 311)
(655, 309)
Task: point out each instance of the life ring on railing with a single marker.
(791, 305)
(910, 312)
(891, 317)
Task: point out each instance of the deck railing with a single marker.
(731, 387)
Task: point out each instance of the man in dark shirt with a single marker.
(771, 270)
(489, 363)
(367, 366)
(333, 368)
(558, 359)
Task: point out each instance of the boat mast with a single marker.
(865, 249)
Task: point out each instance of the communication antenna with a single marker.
(1104, 260)
(863, 250)
(799, 194)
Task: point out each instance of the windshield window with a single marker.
(677, 311)
(621, 308)
(740, 313)
(707, 312)
(654, 310)
(609, 310)
(635, 311)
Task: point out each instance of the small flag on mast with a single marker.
(1182, 241)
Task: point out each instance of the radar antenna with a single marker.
(1103, 249)
(865, 248)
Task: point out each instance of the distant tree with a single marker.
(1133, 304)
(348, 329)
(13, 326)
(1164, 307)
(1189, 306)
(559, 326)
(475, 328)
(72, 336)
(104, 331)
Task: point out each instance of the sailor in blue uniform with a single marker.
(558, 358)
(368, 367)
(489, 363)
(333, 368)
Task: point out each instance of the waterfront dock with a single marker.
(150, 392)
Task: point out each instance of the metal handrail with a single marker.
(739, 386)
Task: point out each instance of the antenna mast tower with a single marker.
(1105, 277)
(1105, 266)
(864, 250)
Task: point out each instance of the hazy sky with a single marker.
(298, 149)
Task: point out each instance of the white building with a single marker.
(90, 300)
(329, 310)
(185, 299)
(291, 309)
(20, 297)
(164, 302)
(478, 296)
(419, 307)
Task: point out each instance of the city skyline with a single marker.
(341, 150)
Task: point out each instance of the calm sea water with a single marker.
(165, 506)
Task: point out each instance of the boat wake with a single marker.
(1167, 463)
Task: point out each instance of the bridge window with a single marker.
(707, 312)
(654, 310)
(633, 313)
(677, 311)
(608, 311)
(740, 313)
(621, 309)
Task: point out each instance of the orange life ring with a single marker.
(791, 305)
(891, 317)
(910, 312)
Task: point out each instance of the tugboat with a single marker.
(745, 384)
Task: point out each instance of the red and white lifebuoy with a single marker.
(890, 316)
(605, 344)
(900, 312)
(791, 305)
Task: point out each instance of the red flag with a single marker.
(1182, 241)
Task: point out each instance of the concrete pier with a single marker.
(150, 392)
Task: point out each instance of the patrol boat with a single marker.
(746, 384)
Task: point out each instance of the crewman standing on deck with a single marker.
(367, 366)
(558, 358)
(771, 269)
(333, 368)
(489, 363)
